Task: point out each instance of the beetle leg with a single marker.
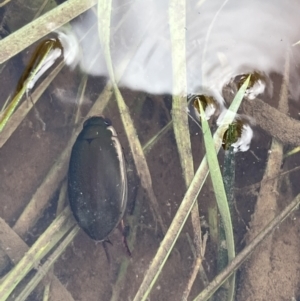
(104, 244)
(122, 229)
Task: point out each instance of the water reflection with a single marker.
(223, 39)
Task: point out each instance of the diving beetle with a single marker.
(97, 180)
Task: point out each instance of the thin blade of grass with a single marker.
(46, 292)
(11, 107)
(177, 23)
(292, 152)
(5, 105)
(104, 20)
(219, 190)
(80, 97)
(197, 268)
(179, 104)
(186, 205)
(229, 180)
(149, 145)
(4, 3)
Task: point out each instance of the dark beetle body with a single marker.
(97, 179)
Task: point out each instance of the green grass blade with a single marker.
(177, 23)
(231, 112)
(217, 182)
(10, 108)
(219, 190)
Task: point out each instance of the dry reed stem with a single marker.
(177, 22)
(4, 3)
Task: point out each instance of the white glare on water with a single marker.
(242, 37)
(243, 143)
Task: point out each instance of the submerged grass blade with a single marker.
(10, 108)
(229, 177)
(297, 43)
(229, 180)
(219, 190)
(104, 20)
(179, 116)
(148, 146)
(46, 292)
(185, 207)
(292, 152)
(177, 21)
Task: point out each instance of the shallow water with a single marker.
(223, 39)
